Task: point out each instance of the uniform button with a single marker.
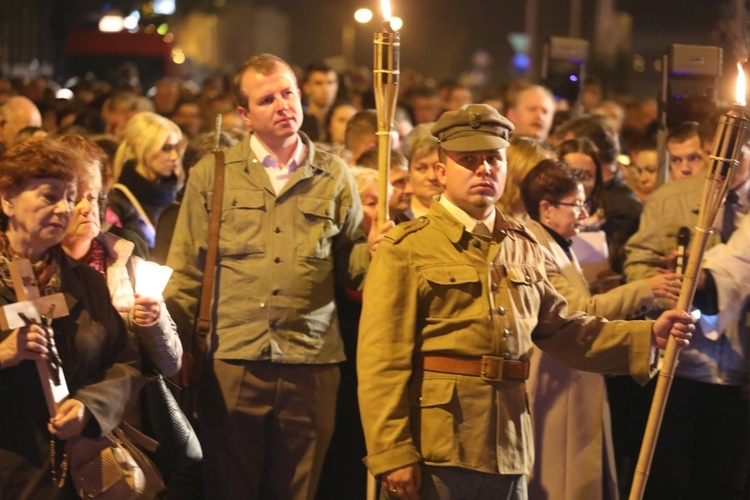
(234, 203)
(255, 161)
(452, 279)
(506, 332)
(494, 287)
(275, 292)
(278, 229)
(476, 244)
(328, 211)
(528, 278)
(262, 305)
(277, 260)
(501, 311)
(506, 355)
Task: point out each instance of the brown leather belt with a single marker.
(491, 368)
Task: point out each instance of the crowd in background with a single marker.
(578, 176)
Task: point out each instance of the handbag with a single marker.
(112, 467)
(164, 421)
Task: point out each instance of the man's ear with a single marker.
(7, 204)
(440, 173)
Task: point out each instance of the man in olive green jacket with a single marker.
(452, 304)
(291, 228)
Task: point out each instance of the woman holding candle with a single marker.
(569, 407)
(147, 319)
(37, 191)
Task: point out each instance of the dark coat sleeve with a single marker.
(98, 358)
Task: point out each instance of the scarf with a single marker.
(153, 196)
(96, 257)
(47, 269)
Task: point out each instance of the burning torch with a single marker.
(387, 44)
(730, 136)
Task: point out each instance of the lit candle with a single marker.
(151, 278)
(387, 45)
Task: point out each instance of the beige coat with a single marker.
(435, 288)
(570, 409)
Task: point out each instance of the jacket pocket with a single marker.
(454, 291)
(436, 407)
(524, 284)
(316, 226)
(242, 214)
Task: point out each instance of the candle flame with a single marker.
(741, 85)
(385, 5)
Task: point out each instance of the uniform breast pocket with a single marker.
(455, 291)
(523, 285)
(242, 215)
(316, 225)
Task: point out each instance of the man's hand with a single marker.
(403, 483)
(29, 342)
(70, 420)
(676, 323)
(377, 233)
(666, 286)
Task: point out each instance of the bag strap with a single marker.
(203, 325)
(136, 437)
(136, 204)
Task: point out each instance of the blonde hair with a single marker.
(144, 134)
(524, 153)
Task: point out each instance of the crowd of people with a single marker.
(494, 338)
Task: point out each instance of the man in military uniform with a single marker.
(452, 304)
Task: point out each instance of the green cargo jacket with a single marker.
(435, 288)
(279, 257)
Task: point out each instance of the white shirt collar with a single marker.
(262, 154)
(467, 220)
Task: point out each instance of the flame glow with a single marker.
(385, 5)
(741, 85)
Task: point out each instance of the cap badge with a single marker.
(475, 120)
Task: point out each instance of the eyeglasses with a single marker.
(578, 208)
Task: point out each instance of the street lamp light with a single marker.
(111, 22)
(348, 34)
(363, 16)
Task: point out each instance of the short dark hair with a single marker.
(369, 159)
(598, 131)
(549, 180)
(364, 123)
(39, 158)
(316, 67)
(684, 131)
(263, 64)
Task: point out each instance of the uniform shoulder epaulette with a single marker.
(521, 229)
(400, 232)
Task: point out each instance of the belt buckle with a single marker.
(492, 368)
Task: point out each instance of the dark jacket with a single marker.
(99, 369)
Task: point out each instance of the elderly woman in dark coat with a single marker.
(38, 191)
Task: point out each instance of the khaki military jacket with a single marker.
(279, 257)
(674, 205)
(435, 288)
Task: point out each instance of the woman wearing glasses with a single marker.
(570, 408)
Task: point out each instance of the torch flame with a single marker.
(741, 85)
(385, 5)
